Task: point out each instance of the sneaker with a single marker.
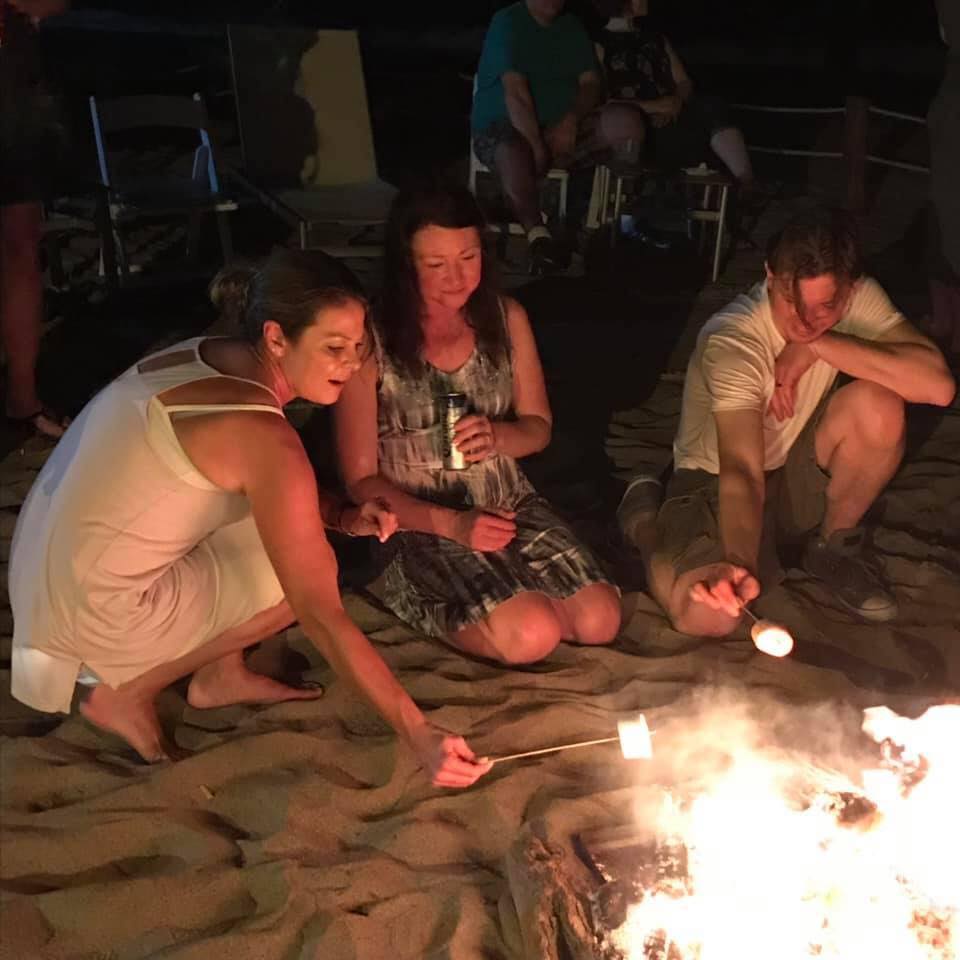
(546, 256)
(638, 508)
(839, 564)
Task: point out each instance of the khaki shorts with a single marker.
(688, 529)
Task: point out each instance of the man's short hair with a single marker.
(815, 242)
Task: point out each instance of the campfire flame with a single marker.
(787, 860)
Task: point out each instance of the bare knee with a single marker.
(595, 614)
(620, 123)
(879, 415)
(528, 632)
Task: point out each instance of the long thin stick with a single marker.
(749, 612)
(563, 746)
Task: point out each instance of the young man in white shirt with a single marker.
(772, 447)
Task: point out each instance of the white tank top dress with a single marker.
(124, 556)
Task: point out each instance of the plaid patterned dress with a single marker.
(436, 585)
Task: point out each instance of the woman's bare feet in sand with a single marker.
(130, 717)
(228, 680)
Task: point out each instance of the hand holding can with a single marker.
(475, 438)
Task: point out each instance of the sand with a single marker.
(305, 831)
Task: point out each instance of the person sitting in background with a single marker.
(178, 522)
(481, 560)
(772, 446)
(538, 90)
(642, 70)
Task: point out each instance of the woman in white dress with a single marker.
(178, 522)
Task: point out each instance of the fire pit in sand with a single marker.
(774, 857)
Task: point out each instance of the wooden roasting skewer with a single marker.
(562, 746)
(633, 735)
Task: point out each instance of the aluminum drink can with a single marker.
(452, 407)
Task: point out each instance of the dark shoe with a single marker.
(641, 232)
(839, 564)
(546, 256)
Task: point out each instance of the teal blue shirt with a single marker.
(551, 58)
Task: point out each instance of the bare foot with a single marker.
(228, 681)
(129, 718)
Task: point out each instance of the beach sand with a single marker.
(304, 831)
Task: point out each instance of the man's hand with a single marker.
(794, 361)
(727, 587)
(562, 140)
(484, 530)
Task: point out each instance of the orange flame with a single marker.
(769, 876)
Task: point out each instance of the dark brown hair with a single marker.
(817, 241)
(398, 310)
(290, 287)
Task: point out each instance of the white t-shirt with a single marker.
(732, 368)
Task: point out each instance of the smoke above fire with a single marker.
(802, 832)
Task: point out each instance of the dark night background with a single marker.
(418, 57)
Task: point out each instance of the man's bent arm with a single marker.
(742, 485)
(902, 360)
(520, 107)
(589, 94)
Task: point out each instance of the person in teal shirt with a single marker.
(536, 106)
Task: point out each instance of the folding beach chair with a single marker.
(305, 134)
(139, 184)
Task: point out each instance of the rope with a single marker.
(896, 115)
(899, 164)
(766, 109)
(792, 152)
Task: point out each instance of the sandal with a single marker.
(43, 422)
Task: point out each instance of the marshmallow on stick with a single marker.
(634, 735)
(768, 637)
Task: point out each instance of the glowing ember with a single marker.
(786, 860)
(771, 639)
(635, 739)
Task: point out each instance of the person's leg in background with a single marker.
(21, 313)
(514, 165)
(728, 144)
(504, 150)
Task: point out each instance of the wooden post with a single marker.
(855, 151)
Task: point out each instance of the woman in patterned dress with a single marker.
(481, 560)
